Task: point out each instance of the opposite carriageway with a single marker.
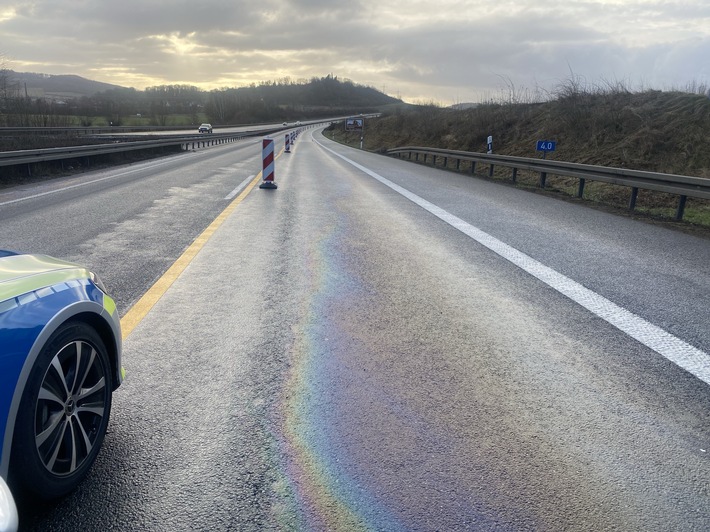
(116, 146)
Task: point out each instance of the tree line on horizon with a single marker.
(263, 102)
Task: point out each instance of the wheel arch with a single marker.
(89, 312)
(111, 339)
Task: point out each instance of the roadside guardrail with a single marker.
(106, 130)
(87, 130)
(682, 186)
(186, 142)
(29, 157)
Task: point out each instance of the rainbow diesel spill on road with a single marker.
(319, 466)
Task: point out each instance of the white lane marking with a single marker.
(84, 183)
(239, 188)
(662, 342)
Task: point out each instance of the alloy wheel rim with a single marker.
(70, 408)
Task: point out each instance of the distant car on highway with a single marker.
(60, 362)
(298, 123)
(205, 128)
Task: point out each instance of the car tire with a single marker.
(63, 413)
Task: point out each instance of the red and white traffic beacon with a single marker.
(287, 141)
(267, 155)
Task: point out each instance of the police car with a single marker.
(60, 362)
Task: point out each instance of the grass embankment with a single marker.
(655, 131)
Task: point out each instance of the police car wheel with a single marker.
(64, 412)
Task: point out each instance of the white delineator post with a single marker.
(287, 141)
(267, 155)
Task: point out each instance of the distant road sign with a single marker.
(546, 145)
(354, 124)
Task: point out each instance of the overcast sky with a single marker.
(445, 51)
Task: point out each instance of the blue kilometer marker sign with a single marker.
(546, 145)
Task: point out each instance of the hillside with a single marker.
(319, 97)
(653, 130)
(71, 100)
(56, 86)
(328, 91)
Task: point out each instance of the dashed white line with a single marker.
(84, 183)
(237, 190)
(686, 356)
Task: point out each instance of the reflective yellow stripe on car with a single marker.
(109, 304)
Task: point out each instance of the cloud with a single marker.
(451, 49)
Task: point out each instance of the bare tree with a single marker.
(5, 83)
(5, 78)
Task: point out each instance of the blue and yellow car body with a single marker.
(38, 294)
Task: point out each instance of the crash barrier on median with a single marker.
(682, 186)
(183, 142)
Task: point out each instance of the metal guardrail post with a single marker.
(681, 208)
(634, 196)
(543, 179)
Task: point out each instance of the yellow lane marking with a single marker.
(141, 308)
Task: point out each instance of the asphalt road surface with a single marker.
(378, 345)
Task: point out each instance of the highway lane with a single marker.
(236, 129)
(661, 275)
(127, 223)
(336, 357)
(251, 128)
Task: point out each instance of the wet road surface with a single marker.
(335, 357)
